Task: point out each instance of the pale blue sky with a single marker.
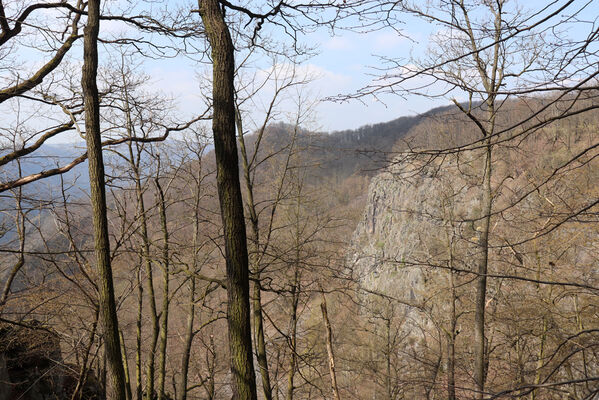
(343, 65)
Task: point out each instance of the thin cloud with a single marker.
(385, 41)
(339, 43)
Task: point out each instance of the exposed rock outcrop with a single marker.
(404, 227)
(32, 368)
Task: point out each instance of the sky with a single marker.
(344, 63)
(348, 61)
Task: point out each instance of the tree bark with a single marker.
(451, 331)
(255, 257)
(143, 225)
(165, 291)
(189, 331)
(451, 342)
(138, 332)
(260, 340)
(329, 338)
(188, 340)
(388, 351)
(481, 281)
(126, 367)
(98, 201)
(295, 291)
(231, 205)
(491, 84)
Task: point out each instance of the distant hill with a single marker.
(47, 157)
(340, 164)
(362, 151)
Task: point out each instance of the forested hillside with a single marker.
(220, 245)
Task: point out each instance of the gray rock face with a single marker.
(32, 368)
(403, 236)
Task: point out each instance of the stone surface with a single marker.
(32, 368)
(404, 230)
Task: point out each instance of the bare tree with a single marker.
(98, 200)
(231, 203)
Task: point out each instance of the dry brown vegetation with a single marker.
(449, 255)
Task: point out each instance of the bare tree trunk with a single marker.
(275, 388)
(210, 387)
(295, 291)
(138, 331)
(231, 204)
(481, 280)
(125, 366)
(143, 226)
(188, 339)
(585, 363)
(388, 353)
(296, 288)
(134, 162)
(451, 333)
(491, 81)
(329, 339)
(451, 342)
(101, 364)
(189, 331)
(259, 340)
(165, 290)
(143, 219)
(98, 200)
(541, 351)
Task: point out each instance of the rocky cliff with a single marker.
(401, 243)
(32, 367)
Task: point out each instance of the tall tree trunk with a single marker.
(143, 225)
(211, 362)
(451, 332)
(388, 351)
(188, 339)
(165, 291)
(255, 256)
(189, 331)
(451, 342)
(125, 367)
(492, 81)
(295, 291)
(231, 205)
(138, 332)
(329, 339)
(481, 280)
(275, 389)
(259, 338)
(543, 339)
(296, 288)
(101, 367)
(98, 200)
(585, 363)
(134, 162)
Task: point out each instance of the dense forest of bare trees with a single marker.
(472, 272)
